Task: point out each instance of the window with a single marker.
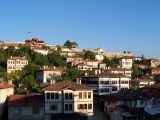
(52, 95)
(35, 110)
(89, 94)
(48, 95)
(114, 82)
(104, 90)
(17, 111)
(106, 82)
(89, 106)
(82, 106)
(124, 82)
(84, 95)
(53, 107)
(57, 95)
(68, 107)
(114, 89)
(68, 96)
(80, 95)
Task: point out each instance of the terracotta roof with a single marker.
(67, 84)
(15, 58)
(106, 74)
(119, 69)
(26, 101)
(5, 85)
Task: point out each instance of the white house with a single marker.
(83, 67)
(5, 91)
(16, 63)
(43, 51)
(47, 74)
(126, 62)
(68, 98)
(99, 57)
(92, 63)
(106, 83)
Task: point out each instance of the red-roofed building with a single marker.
(68, 98)
(28, 107)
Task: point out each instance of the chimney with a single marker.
(78, 80)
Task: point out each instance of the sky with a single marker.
(114, 25)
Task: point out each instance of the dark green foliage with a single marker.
(144, 61)
(113, 62)
(70, 74)
(54, 58)
(69, 44)
(136, 72)
(89, 55)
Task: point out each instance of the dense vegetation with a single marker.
(25, 79)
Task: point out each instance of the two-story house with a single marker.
(47, 74)
(70, 100)
(126, 62)
(106, 83)
(16, 63)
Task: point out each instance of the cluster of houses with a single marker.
(75, 100)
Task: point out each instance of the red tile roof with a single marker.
(26, 101)
(67, 84)
(119, 69)
(5, 85)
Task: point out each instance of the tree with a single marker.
(10, 51)
(111, 62)
(136, 72)
(69, 44)
(54, 58)
(70, 74)
(89, 55)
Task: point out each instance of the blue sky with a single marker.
(115, 25)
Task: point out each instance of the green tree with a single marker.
(89, 55)
(136, 72)
(70, 74)
(69, 44)
(10, 51)
(112, 62)
(54, 58)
